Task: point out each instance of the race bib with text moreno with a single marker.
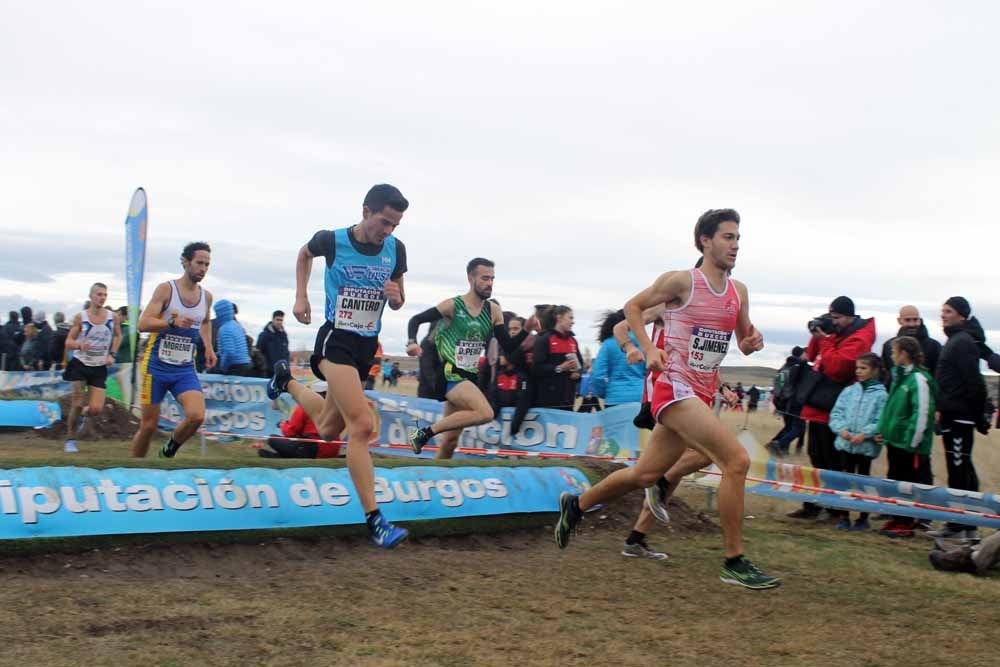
(176, 350)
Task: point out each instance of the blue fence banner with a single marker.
(68, 501)
(30, 414)
(790, 477)
(49, 385)
(237, 405)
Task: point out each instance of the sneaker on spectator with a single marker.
(642, 550)
(70, 447)
(898, 531)
(860, 525)
(803, 513)
(844, 523)
(923, 525)
(947, 533)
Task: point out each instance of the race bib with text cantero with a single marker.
(707, 348)
(358, 308)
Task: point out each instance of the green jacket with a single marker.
(907, 422)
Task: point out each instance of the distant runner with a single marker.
(177, 318)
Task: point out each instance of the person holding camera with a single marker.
(961, 399)
(839, 337)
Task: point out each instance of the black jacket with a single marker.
(961, 388)
(931, 348)
(44, 342)
(552, 389)
(274, 345)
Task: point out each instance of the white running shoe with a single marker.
(642, 550)
(657, 506)
(71, 447)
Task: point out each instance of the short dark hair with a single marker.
(708, 223)
(477, 262)
(871, 359)
(277, 313)
(191, 248)
(911, 346)
(383, 195)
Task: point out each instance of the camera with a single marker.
(824, 323)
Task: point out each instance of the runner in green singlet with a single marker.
(470, 321)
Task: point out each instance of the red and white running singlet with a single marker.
(696, 338)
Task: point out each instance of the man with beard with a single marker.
(469, 321)
(911, 324)
(177, 318)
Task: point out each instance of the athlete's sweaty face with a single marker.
(197, 267)
(481, 281)
(723, 247)
(379, 226)
(98, 296)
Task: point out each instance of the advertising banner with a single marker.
(67, 501)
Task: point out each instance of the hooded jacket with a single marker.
(961, 388)
(907, 422)
(858, 410)
(232, 343)
(274, 344)
(930, 347)
(614, 379)
(554, 389)
(834, 356)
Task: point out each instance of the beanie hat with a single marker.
(961, 306)
(842, 305)
(797, 351)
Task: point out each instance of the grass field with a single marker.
(508, 598)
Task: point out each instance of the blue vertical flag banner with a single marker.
(135, 264)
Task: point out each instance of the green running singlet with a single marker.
(462, 340)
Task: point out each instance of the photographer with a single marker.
(838, 339)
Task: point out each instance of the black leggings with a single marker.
(856, 464)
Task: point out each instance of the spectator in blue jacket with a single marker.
(273, 340)
(234, 356)
(614, 379)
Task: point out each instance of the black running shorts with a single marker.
(344, 348)
(93, 376)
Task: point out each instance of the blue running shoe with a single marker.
(386, 535)
(279, 381)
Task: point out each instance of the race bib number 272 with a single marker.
(359, 309)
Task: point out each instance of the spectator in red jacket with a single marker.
(298, 428)
(833, 350)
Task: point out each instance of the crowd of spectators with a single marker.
(29, 343)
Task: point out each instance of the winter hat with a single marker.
(797, 351)
(842, 305)
(961, 306)
(39, 316)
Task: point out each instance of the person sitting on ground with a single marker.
(854, 419)
(907, 423)
(971, 558)
(298, 428)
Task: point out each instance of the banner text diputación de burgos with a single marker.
(30, 502)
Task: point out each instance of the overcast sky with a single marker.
(575, 143)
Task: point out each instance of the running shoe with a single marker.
(642, 550)
(418, 440)
(386, 535)
(744, 573)
(844, 524)
(70, 447)
(569, 516)
(656, 500)
(279, 381)
(169, 450)
(861, 525)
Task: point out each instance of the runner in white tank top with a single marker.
(698, 326)
(93, 340)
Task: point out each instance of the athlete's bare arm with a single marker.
(748, 338)
(74, 331)
(154, 317)
(447, 308)
(670, 288)
(206, 334)
(303, 269)
(620, 331)
(394, 292)
(116, 341)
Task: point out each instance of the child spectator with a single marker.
(907, 423)
(854, 419)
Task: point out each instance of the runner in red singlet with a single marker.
(703, 307)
